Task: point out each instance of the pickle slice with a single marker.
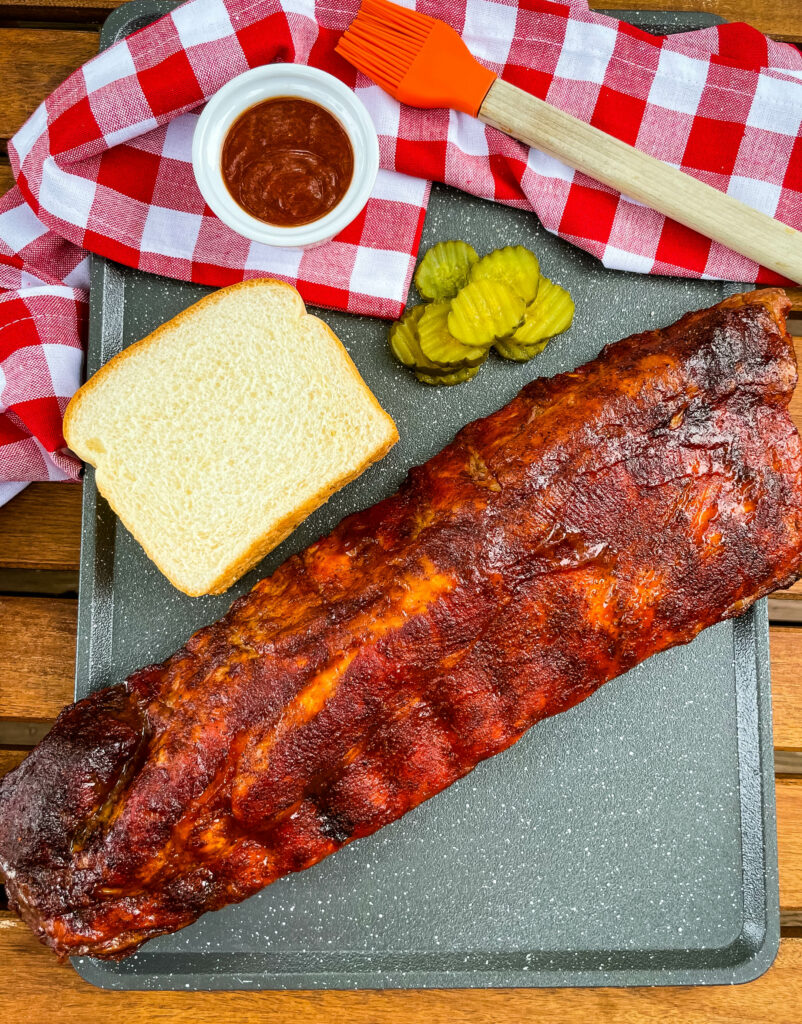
(437, 343)
(444, 269)
(484, 310)
(551, 313)
(405, 344)
(516, 266)
(449, 379)
(403, 338)
(519, 353)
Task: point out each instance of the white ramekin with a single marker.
(263, 83)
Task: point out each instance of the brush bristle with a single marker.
(383, 40)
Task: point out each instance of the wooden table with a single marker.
(41, 41)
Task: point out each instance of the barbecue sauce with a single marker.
(287, 161)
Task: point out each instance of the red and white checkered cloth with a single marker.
(104, 165)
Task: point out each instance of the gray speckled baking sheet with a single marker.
(629, 841)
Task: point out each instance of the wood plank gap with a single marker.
(791, 924)
(50, 582)
(23, 733)
(32, 17)
(785, 613)
(788, 763)
(58, 11)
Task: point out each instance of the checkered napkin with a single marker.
(104, 165)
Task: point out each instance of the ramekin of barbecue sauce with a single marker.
(287, 161)
(285, 155)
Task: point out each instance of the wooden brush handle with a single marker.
(642, 177)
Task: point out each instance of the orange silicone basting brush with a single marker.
(423, 62)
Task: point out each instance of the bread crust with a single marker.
(279, 531)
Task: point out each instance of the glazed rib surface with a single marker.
(602, 516)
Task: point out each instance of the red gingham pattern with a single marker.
(104, 165)
(40, 368)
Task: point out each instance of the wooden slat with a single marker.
(789, 842)
(32, 63)
(793, 593)
(796, 399)
(778, 18)
(789, 832)
(56, 9)
(41, 989)
(36, 974)
(37, 655)
(41, 528)
(795, 295)
(786, 685)
(6, 177)
(10, 759)
(37, 650)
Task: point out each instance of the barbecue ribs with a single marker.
(602, 516)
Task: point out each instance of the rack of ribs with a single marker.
(602, 516)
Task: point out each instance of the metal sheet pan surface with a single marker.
(629, 841)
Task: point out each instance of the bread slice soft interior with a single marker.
(215, 436)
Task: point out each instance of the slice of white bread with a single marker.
(217, 434)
